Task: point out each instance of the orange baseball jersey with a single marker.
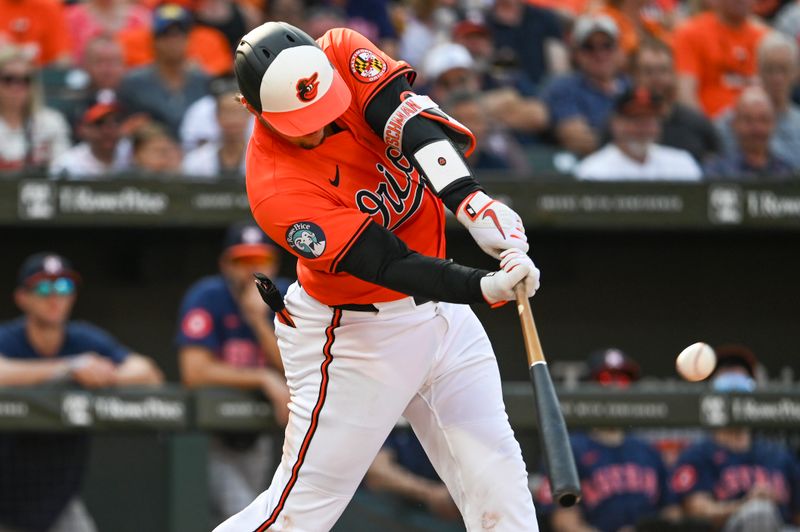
(721, 58)
(316, 203)
(38, 25)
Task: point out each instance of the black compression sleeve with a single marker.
(379, 257)
(417, 132)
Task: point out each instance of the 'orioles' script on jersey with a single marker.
(315, 203)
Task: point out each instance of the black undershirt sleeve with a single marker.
(379, 257)
(416, 133)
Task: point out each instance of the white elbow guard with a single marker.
(441, 164)
(417, 104)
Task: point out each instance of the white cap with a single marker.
(444, 57)
(586, 25)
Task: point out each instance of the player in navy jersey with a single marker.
(736, 481)
(225, 338)
(623, 479)
(403, 487)
(41, 474)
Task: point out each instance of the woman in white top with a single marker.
(32, 135)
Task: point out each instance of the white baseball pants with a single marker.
(352, 375)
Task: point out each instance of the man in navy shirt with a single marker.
(225, 338)
(732, 479)
(41, 474)
(623, 479)
(402, 486)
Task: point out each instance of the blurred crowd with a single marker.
(594, 89)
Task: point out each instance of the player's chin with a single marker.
(311, 143)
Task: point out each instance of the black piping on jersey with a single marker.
(330, 337)
(418, 131)
(380, 257)
(346, 248)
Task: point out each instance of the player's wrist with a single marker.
(472, 206)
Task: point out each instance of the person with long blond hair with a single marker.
(32, 134)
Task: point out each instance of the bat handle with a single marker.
(533, 347)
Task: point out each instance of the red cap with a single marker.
(99, 111)
(468, 27)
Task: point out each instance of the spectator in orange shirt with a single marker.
(207, 47)
(88, 19)
(633, 23)
(715, 55)
(38, 26)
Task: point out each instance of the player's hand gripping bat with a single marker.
(560, 463)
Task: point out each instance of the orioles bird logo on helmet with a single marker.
(307, 88)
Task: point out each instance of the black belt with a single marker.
(369, 307)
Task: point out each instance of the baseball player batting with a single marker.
(350, 171)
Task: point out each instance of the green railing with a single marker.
(560, 203)
(171, 408)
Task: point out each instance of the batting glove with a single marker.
(515, 267)
(493, 225)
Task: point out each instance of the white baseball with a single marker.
(696, 362)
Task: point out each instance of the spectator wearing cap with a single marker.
(682, 127)
(32, 134)
(101, 153)
(450, 68)
(715, 55)
(205, 47)
(580, 103)
(223, 159)
(529, 34)
(623, 478)
(777, 69)
(731, 479)
(753, 125)
(225, 338)
(633, 153)
(41, 476)
(165, 89)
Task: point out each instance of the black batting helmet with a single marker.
(286, 77)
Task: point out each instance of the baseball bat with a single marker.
(559, 460)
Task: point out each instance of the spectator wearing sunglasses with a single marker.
(41, 475)
(580, 103)
(32, 134)
(731, 479)
(623, 478)
(225, 338)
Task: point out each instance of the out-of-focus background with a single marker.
(652, 148)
